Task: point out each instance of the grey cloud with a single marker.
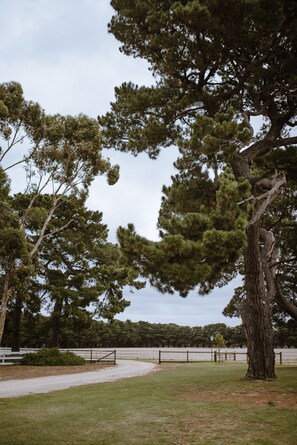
(61, 53)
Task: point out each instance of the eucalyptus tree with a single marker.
(81, 273)
(60, 155)
(221, 68)
(14, 249)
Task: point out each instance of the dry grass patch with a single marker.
(260, 397)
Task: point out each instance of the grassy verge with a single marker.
(179, 405)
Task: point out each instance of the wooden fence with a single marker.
(163, 355)
(221, 356)
(216, 356)
(94, 355)
(8, 358)
(181, 356)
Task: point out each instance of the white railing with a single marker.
(94, 354)
(7, 357)
(10, 358)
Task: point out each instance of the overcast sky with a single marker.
(64, 58)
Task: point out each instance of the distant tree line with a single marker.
(85, 332)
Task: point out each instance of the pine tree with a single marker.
(220, 68)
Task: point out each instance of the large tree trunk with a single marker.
(256, 311)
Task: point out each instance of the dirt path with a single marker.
(123, 369)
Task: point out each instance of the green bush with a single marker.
(52, 357)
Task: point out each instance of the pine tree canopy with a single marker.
(225, 94)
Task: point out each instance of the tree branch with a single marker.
(13, 142)
(44, 227)
(60, 229)
(283, 302)
(288, 141)
(269, 197)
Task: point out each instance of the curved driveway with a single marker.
(124, 368)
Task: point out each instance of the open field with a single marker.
(182, 404)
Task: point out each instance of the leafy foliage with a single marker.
(217, 66)
(52, 357)
(51, 247)
(210, 83)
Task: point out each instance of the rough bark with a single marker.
(56, 323)
(16, 326)
(256, 311)
(5, 299)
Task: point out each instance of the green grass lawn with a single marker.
(181, 404)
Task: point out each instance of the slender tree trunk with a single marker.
(5, 299)
(56, 323)
(16, 326)
(256, 311)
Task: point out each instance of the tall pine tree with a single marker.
(221, 68)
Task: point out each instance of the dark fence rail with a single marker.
(90, 355)
(95, 355)
(221, 356)
(216, 356)
(181, 356)
(157, 354)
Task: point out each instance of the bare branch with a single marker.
(246, 118)
(287, 141)
(13, 142)
(283, 302)
(292, 124)
(44, 227)
(53, 232)
(268, 198)
(250, 198)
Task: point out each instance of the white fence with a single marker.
(90, 355)
(205, 354)
(8, 358)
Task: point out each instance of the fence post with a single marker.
(91, 355)
(187, 356)
(215, 356)
(280, 358)
(221, 357)
(159, 357)
(115, 357)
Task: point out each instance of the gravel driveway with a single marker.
(123, 368)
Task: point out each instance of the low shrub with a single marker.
(52, 357)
